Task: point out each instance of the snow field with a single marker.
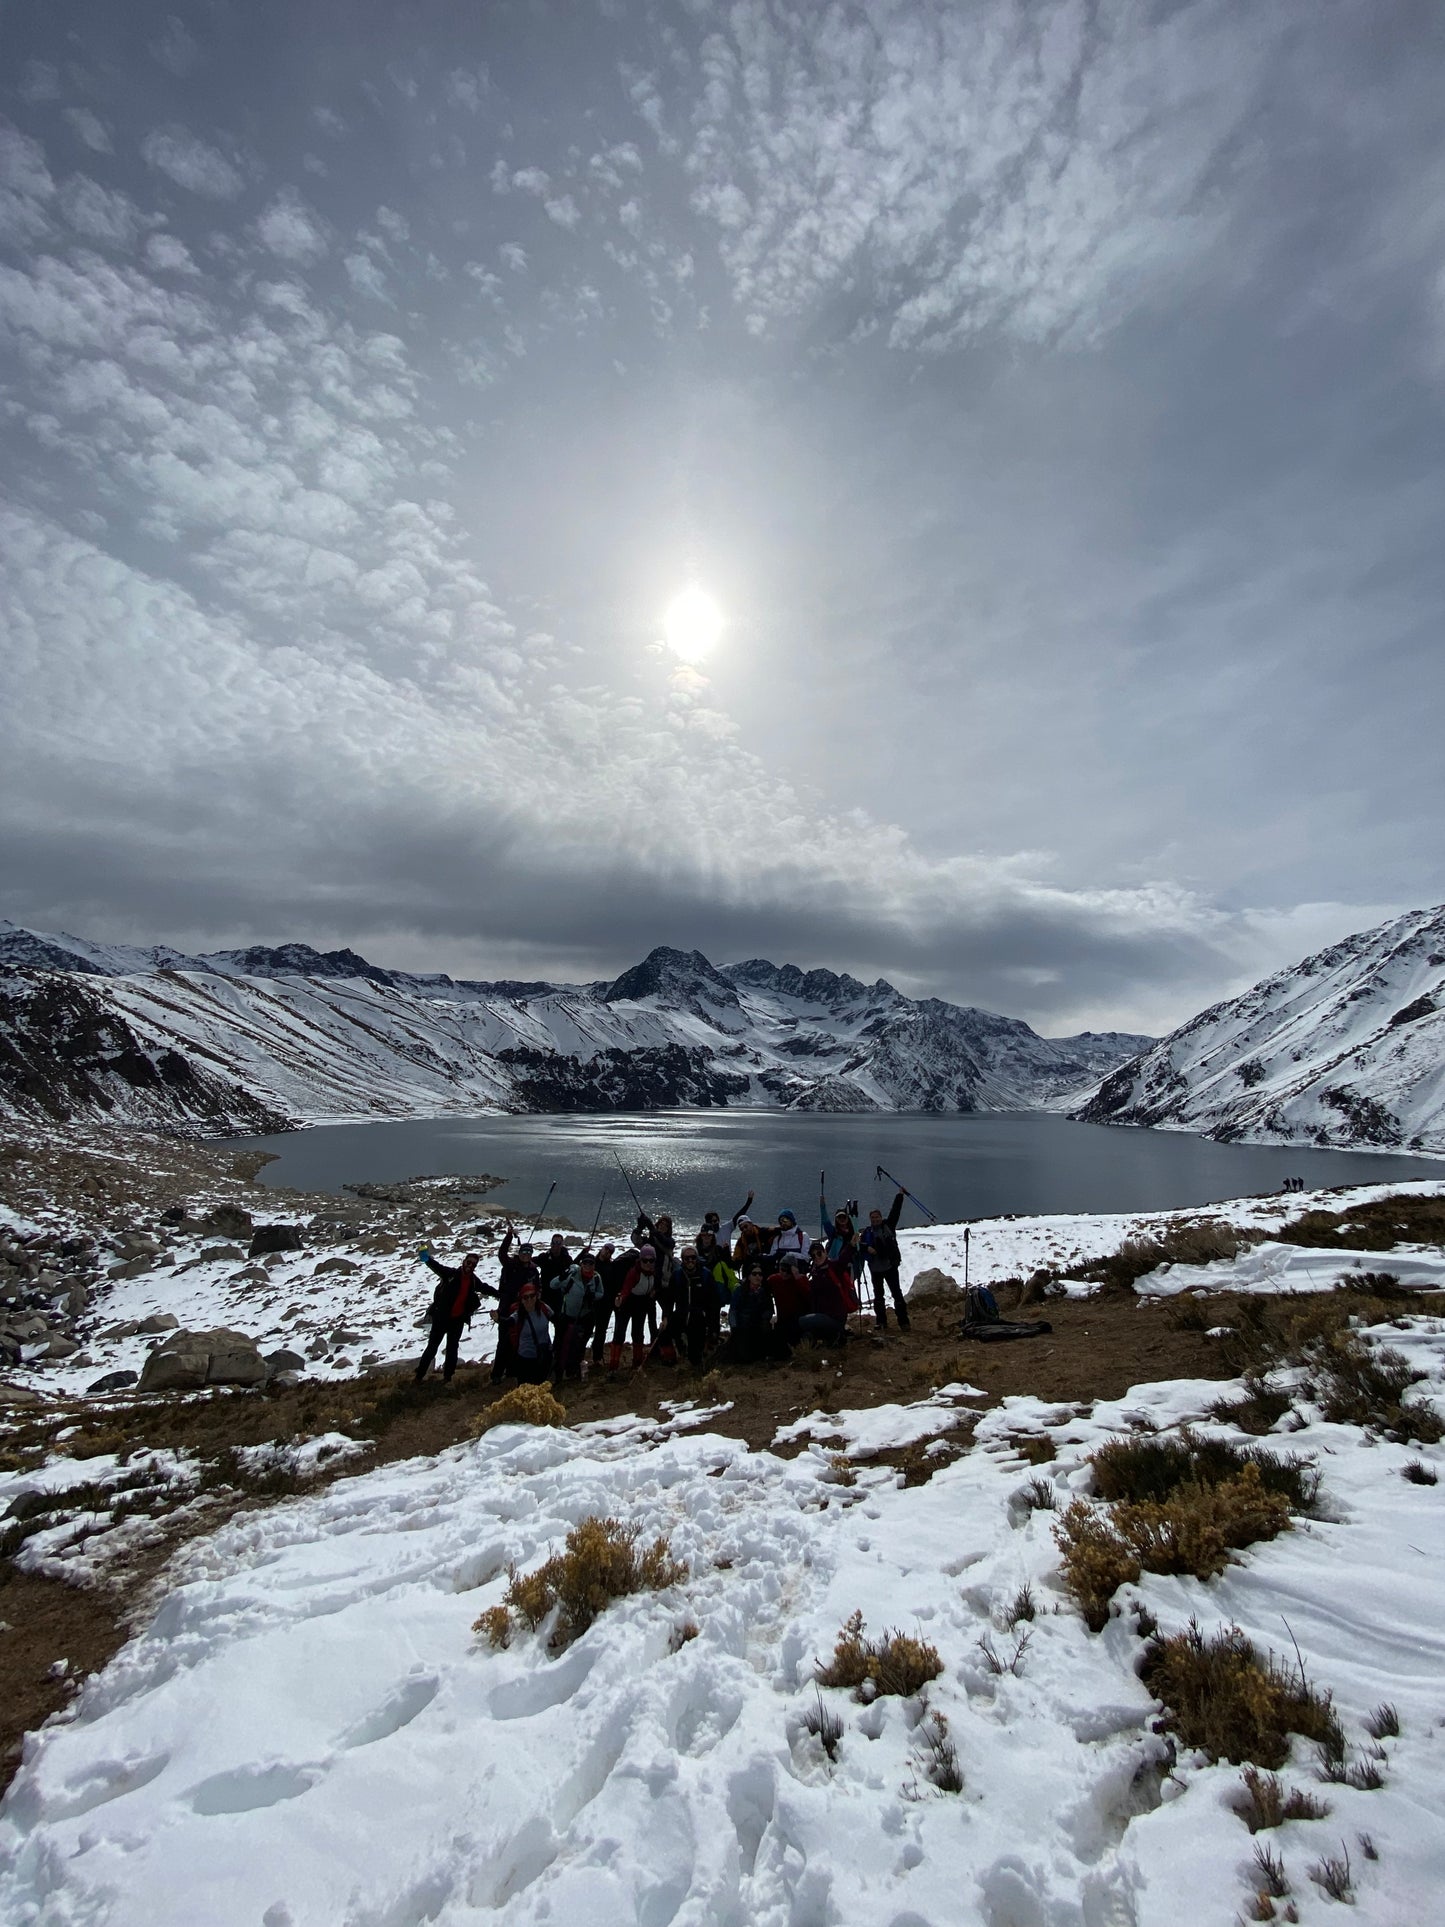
(308, 1732)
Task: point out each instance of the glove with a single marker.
(424, 1253)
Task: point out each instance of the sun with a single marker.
(692, 624)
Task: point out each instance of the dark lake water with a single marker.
(691, 1161)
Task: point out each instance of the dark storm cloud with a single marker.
(1047, 393)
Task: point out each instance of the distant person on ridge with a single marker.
(454, 1301)
(879, 1245)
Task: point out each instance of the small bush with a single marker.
(1357, 1383)
(1333, 1874)
(1154, 1468)
(1258, 1409)
(999, 1663)
(896, 1665)
(1372, 1284)
(825, 1726)
(523, 1405)
(1270, 1868)
(1420, 1474)
(940, 1756)
(1022, 1606)
(1221, 1697)
(1383, 1723)
(600, 1563)
(1193, 1530)
(1267, 1802)
(1038, 1495)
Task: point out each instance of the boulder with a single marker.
(129, 1328)
(236, 1361)
(158, 1321)
(227, 1221)
(333, 1264)
(343, 1335)
(934, 1283)
(284, 1361)
(133, 1267)
(181, 1370)
(58, 1346)
(215, 1254)
(112, 1382)
(318, 1348)
(268, 1238)
(18, 1395)
(27, 1325)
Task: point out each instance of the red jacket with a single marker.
(831, 1290)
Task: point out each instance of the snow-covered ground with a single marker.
(309, 1732)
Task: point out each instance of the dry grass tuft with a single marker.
(1221, 1697)
(1383, 1723)
(1420, 1474)
(1154, 1468)
(601, 1562)
(825, 1726)
(939, 1755)
(1333, 1873)
(1356, 1383)
(1258, 1409)
(896, 1665)
(523, 1405)
(1267, 1802)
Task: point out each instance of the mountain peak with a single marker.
(681, 975)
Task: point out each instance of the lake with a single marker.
(692, 1161)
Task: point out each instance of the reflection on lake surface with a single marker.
(692, 1161)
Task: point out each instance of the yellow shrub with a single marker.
(896, 1664)
(600, 1562)
(523, 1405)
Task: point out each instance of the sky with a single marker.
(1047, 394)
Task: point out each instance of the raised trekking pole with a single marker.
(542, 1213)
(628, 1182)
(597, 1220)
(931, 1215)
(965, 1260)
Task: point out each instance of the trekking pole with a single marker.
(597, 1220)
(628, 1182)
(931, 1215)
(965, 1259)
(542, 1213)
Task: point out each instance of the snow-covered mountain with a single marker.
(1346, 1048)
(293, 1035)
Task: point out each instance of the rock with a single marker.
(268, 1238)
(343, 1335)
(112, 1382)
(58, 1346)
(216, 1254)
(334, 1264)
(26, 1326)
(31, 1505)
(227, 1221)
(129, 1328)
(18, 1395)
(132, 1267)
(935, 1283)
(318, 1348)
(181, 1370)
(236, 1363)
(284, 1381)
(176, 1214)
(372, 1280)
(159, 1321)
(368, 1359)
(48, 1280)
(284, 1361)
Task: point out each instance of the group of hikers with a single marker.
(743, 1293)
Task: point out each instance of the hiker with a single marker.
(550, 1266)
(634, 1302)
(695, 1314)
(659, 1235)
(581, 1291)
(454, 1300)
(713, 1223)
(831, 1298)
(752, 1337)
(517, 1269)
(749, 1244)
(879, 1245)
(841, 1235)
(531, 1336)
(612, 1268)
(789, 1240)
(714, 1260)
(788, 1287)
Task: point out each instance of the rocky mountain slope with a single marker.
(1346, 1049)
(251, 1040)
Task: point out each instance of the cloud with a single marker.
(101, 214)
(366, 277)
(1020, 166)
(176, 48)
(167, 255)
(292, 230)
(564, 211)
(90, 128)
(192, 163)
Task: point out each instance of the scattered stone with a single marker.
(284, 1361)
(220, 1253)
(344, 1336)
(268, 1238)
(129, 1328)
(58, 1346)
(318, 1348)
(132, 1267)
(181, 1370)
(19, 1395)
(112, 1382)
(334, 1264)
(237, 1362)
(252, 1275)
(158, 1321)
(372, 1280)
(227, 1221)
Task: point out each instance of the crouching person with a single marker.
(831, 1298)
(531, 1336)
(752, 1335)
(454, 1302)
